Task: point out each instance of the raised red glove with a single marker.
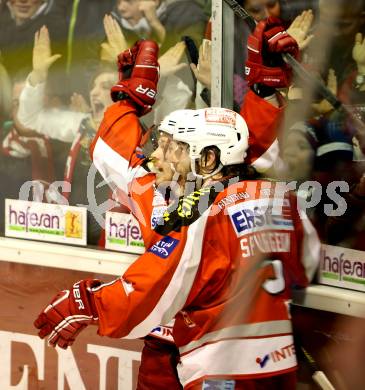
(265, 46)
(138, 75)
(68, 314)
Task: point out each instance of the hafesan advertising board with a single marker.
(45, 222)
(342, 267)
(122, 233)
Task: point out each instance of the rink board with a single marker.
(342, 267)
(26, 362)
(32, 272)
(335, 342)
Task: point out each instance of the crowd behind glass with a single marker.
(74, 45)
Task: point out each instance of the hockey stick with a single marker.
(318, 376)
(298, 68)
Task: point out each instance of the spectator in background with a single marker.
(258, 9)
(85, 32)
(19, 21)
(319, 149)
(261, 9)
(352, 91)
(338, 23)
(140, 19)
(183, 18)
(75, 127)
(24, 154)
(321, 144)
(166, 22)
(32, 111)
(299, 28)
(353, 236)
(173, 91)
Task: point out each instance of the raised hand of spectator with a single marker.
(358, 53)
(171, 61)
(116, 41)
(78, 103)
(42, 56)
(149, 8)
(202, 71)
(324, 106)
(299, 29)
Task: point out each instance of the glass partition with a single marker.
(321, 144)
(49, 121)
(55, 87)
(320, 152)
(58, 63)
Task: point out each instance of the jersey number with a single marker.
(277, 285)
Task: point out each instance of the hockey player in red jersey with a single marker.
(220, 261)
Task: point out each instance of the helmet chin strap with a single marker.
(204, 177)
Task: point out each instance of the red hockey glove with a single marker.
(68, 314)
(138, 75)
(265, 46)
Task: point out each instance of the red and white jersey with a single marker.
(222, 265)
(117, 155)
(263, 120)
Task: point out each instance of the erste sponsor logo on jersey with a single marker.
(259, 215)
(164, 247)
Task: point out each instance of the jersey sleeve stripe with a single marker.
(240, 331)
(175, 295)
(263, 359)
(114, 168)
(267, 159)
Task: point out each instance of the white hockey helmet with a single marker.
(168, 124)
(213, 126)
